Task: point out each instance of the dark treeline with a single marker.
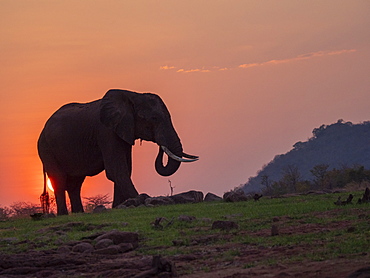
(331, 158)
(323, 179)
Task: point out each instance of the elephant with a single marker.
(83, 139)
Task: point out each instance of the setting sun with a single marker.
(50, 186)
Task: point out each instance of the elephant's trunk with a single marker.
(170, 168)
(173, 161)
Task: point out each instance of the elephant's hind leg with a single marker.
(74, 185)
(58, 180)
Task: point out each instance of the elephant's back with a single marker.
(70, 136)
(81, 109)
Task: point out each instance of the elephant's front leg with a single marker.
(123, 190)
(118, 167)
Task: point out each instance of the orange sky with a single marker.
(243, 80)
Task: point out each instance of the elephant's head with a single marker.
(144, 116)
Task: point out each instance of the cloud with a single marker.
(301, 57)
(166, 67)
(193, 70)
(244, 66)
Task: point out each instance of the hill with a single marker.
(338, 145)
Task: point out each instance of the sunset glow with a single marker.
(244, 80)
(50, 186)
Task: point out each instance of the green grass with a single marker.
(253, 217)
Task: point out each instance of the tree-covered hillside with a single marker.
(335, 146)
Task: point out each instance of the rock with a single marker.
(99, 209)
(119, 237)
(110, 250)
(210, 197)
(142, 197)
(162, 222)
(235, 196)
(365, 198)
(131, 202)
(186, 218)
(36, 216)
(93, 236)
(178, 242)
(155, 201)
(188, 197)
(274, 230)
(360, 273)
(135, 202)
(125, 247)
(120, 206)
(225, 225)
(83, 247)
(103, 243)
(256, 197)
(64, 249)
(351, 229)
(161, 267)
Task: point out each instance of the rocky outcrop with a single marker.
(210, 197)
(235, 196)
(159, 201)
(110, 243)
(181, 198)
(188, 197)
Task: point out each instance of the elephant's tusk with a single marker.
(190, 156)
(177, 158)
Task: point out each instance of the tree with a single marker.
(265, 181)
(97, 200)
(4, 213)
(320, 172)
(21, 209)
(291, 177)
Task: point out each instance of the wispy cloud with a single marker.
(166, 67)
(299, 58)
(193, 70)
(270, 62)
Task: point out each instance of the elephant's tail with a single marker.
(43, 171)
(44, 198)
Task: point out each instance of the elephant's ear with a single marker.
(117, 113)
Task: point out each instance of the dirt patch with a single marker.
(203, 261)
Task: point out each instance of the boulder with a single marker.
(64, 249)
(125, 247)
(225, 225)
(137, 201)
(119, 237)
(186, 218)
(103, 243)
(99, 209)
(274, 230)
(210, 197)
(188, 197)
(235, 196)
(158, 201)
(360, 273)
(83, 247)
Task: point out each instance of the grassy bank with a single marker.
(307, 220)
